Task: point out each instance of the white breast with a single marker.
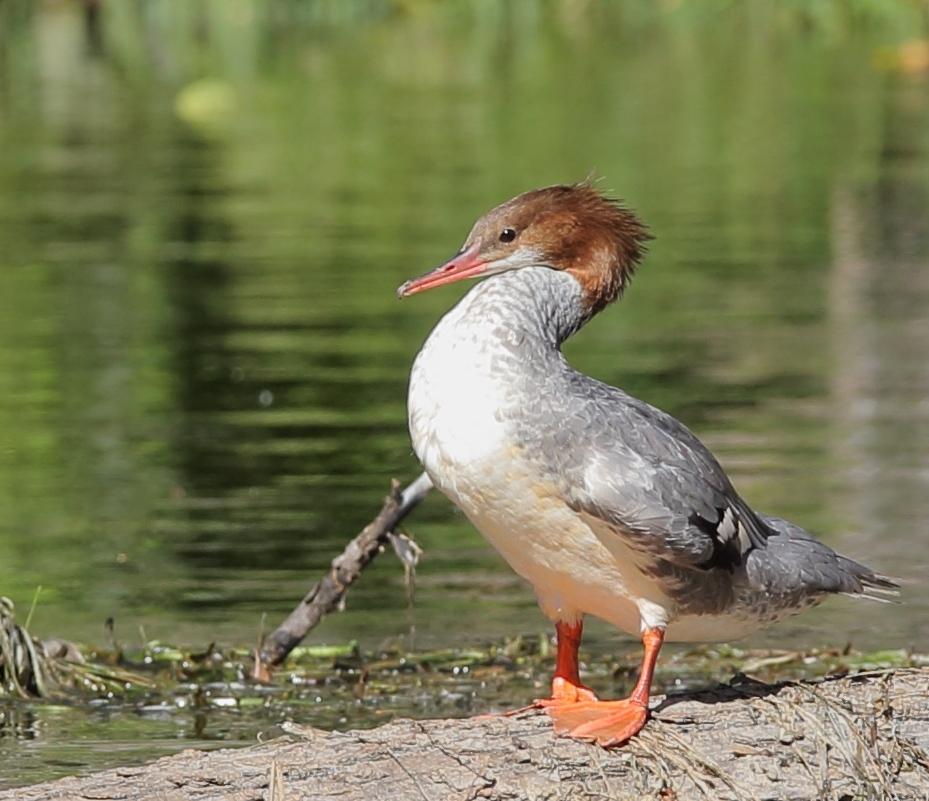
(453, 402)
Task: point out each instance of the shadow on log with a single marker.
(859, 737)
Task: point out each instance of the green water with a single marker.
(204, 212)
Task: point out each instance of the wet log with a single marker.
(326, 595)
(859, 737)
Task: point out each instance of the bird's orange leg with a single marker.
(610, 723)
(566, 683)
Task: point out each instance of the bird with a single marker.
(606, 505)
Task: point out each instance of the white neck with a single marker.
(538, 305)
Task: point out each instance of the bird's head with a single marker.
(574, 228)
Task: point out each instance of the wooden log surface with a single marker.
(858, 737)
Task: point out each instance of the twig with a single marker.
(326, 595)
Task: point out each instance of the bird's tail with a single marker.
(794, 561)
(871, 586)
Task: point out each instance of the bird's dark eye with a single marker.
(507, 235)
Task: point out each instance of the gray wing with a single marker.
(650, 478)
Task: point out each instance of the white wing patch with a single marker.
(728, 527)
(729, 530)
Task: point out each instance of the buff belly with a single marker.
(574, 574)
(543, 540)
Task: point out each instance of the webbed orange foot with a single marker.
(607, 723)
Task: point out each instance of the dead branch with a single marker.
(326, 595)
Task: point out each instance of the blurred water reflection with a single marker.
(205, 209)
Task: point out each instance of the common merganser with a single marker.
(606, 505)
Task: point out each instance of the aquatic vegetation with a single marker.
(340, 685)
(23, 670)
